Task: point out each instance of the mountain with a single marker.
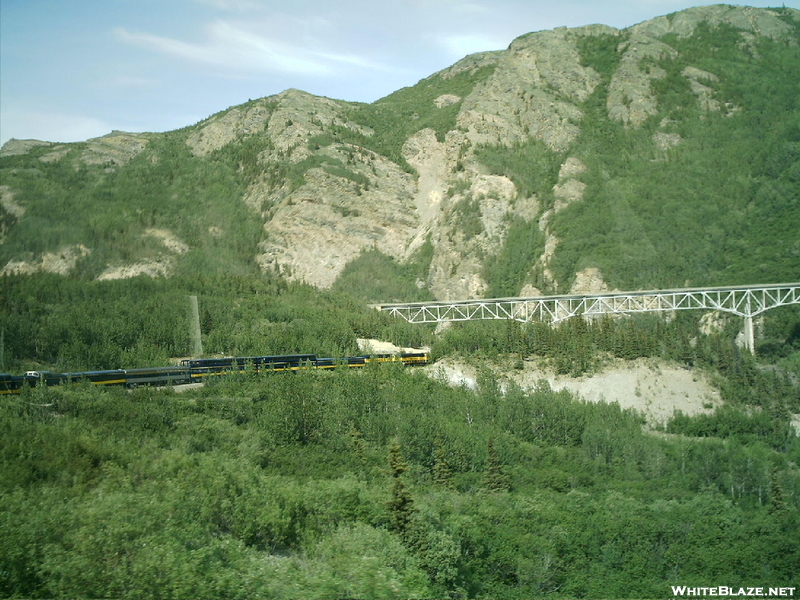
(664, 154)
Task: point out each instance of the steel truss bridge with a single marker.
(745, 301)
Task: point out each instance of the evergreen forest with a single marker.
(386, 482)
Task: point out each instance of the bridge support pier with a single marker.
(749, 337)
(745, 301)
(194, 328)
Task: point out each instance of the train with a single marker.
(195, 370)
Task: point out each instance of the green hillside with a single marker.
(719, 208)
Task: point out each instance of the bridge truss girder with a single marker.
(744, 301)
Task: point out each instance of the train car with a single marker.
(11, 384)
(202, 367)
(113, 377)
(289, 362)
(415, 358)
(407, 358)
(34, 378)
(157, 376)
(335, 363)
(193, 370)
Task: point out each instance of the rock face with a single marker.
(62, 261)
(325, 223)
(630, 96)
(116, 148)
(533, 92)
(15, 147)
(313, 231)
(325, 193)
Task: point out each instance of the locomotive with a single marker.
(194, 370)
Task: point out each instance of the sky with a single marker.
(71, 70)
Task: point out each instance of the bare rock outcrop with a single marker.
(8, 204)
(15, 147)
(759, 21)
(319, 227)
(533, 92)
(61, 262)
(589, 281)
(168, 239)
(569, 188)
(221, 129)
(159, 267)
(631, 99)
(117, 148)
(288, 119)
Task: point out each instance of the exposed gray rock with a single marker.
(630, 97)
(15, 147)
(533, 93)
(117, 147)
(221, 129)
(58, 152)
(446, 100)
(760, 21)
(8, 204)
(589, 281)
(61, 262)
(569, 188)
(665, 141)
(318, 228)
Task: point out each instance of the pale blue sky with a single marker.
(75, 69)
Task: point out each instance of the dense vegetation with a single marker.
(377, 278)
(69, 324)
(691, 209)
(109, 209)
(279, 487)
(383, 483)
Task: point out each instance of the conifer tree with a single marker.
(357, 442)
(496, 480)
(777, 501)
(401, 504)
(442, 474)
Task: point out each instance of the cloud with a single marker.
(237, 49)
(231, 5)
(471, 8)
(128, 81)
(358, 61)
(461, 45)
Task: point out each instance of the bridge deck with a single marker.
(746, 301)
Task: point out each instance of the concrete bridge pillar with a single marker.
(749, 337)
(194, 328)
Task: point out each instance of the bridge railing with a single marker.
(745, 301)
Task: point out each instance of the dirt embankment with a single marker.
(654, 388)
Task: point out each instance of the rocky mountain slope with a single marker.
(667, 153)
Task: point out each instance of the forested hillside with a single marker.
(384, 484)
